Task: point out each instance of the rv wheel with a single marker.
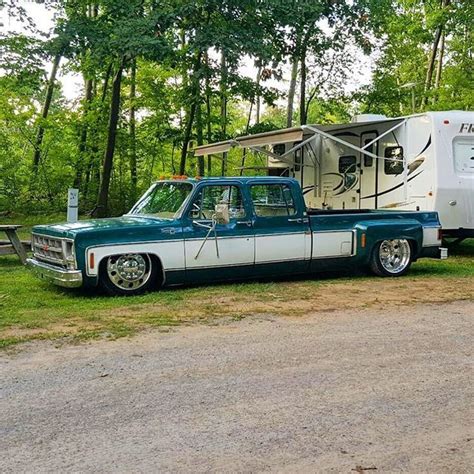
(391, 258)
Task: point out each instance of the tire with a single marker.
(128, 274)
(391, 258)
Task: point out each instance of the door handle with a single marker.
(298, 220)
(247, 223)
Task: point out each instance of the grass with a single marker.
(32, 309)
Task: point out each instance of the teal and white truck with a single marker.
(193, 230)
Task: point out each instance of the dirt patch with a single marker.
(287, 299)
(300, 298)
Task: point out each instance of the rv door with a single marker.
(368, 174)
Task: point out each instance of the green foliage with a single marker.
(409, 29)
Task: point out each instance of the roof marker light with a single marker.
(446, 122)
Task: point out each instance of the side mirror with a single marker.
(221, 214)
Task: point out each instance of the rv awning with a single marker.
(286, 135)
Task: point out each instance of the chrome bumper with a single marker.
(58, 276)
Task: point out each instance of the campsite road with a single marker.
(335, 391)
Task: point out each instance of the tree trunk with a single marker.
(102, 201)
(106, 82)
(257, 105)
(88, 86)
(195, 93)
(291, 93)
(199, 136)
(303, 111)
(439, 68)
(44, 114)
(92, 170)
(223, 94)
(132, 126)
(432, 59)
(208, 110)
(187, 137)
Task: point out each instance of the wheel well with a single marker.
(414, 248)
(160, 274)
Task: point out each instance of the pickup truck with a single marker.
(193, 230)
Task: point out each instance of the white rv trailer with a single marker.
(418, 162)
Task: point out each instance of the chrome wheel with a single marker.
(129, 272)
(395, 255)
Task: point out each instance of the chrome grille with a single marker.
(49, 249)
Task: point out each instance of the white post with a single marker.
(72, 204)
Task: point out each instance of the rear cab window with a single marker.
(273, 200)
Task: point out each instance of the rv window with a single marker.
(368, 160)
(272, 200)
(347, 164)
(393, 163)
(279, 149)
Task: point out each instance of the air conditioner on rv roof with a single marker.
(368, 118)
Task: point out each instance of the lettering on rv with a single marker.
(467, 127)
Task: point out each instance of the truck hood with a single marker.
(113, 224)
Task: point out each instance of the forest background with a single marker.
(160, 77)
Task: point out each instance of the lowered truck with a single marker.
(194, 230)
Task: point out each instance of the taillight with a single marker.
(440, 234)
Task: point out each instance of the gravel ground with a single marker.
(329, 392)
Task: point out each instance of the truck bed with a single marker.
(328, 212)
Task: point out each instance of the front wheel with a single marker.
(391, 258)
(128, 274)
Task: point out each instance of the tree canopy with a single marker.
(161, 76)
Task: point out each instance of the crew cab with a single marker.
(193, 230)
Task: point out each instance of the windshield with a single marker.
(163, 200)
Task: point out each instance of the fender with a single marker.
(386, 229)
(170, 254)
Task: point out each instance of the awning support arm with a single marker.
(376, 139)
(347, 144)
(277, 157)
(271, 154)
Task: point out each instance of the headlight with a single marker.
(69, 254)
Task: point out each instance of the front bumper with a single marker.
(58, 276)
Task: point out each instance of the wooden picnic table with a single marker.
(13, 245)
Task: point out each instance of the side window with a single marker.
(204, 204)
(393, 163)
(347, 164)
(272, 200)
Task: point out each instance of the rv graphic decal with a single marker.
(428, 143)
(345, 182)
(391, 189)
(414, 165)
